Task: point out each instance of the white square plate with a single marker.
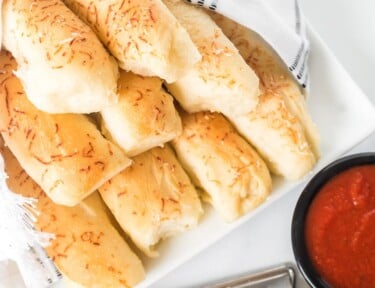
(344, 117)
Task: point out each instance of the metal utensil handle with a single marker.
(266, 276)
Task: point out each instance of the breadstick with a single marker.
(144, 117)
(143, 35)
(62, 65)
(65, 154)
(87, 249)
(278, 136)
(152, 199)
(221, 81)
(234, 177)
(273, 74)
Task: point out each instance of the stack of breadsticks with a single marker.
(88, 115)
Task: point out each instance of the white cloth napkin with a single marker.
(21, 242)
(279, 22)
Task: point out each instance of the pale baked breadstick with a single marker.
(223, 164)
(278, 136)
(144, 117)
(280, 127)
(65, 154)
(87, 249)
(221, 81)
(62, 64)
(152, 199)
(273, 74)
(143, 35)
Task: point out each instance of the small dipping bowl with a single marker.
(319, 184)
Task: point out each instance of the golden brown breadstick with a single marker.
(63, 66)
(152, 199)
(234, 177)
(65, 154)
(221, 81)
(87, 249)
(278, 136)
(273, 74)
(144, 117)
(143, 35)
(280, 127)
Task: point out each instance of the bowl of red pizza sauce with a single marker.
(333, 225)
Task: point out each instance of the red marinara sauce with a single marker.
(340, 229)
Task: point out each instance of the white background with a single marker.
(348, 28)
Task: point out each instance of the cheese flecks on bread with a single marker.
(221, 81)
(144, 117)
(233, 176)
(278, 136)
(62, 64)
(65, 154)
(143, 35)
(152, 199)
(280, 127)
(274, 75)
(87, 249)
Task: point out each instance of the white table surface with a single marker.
(348, 28)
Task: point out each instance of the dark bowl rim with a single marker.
(308, 193)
